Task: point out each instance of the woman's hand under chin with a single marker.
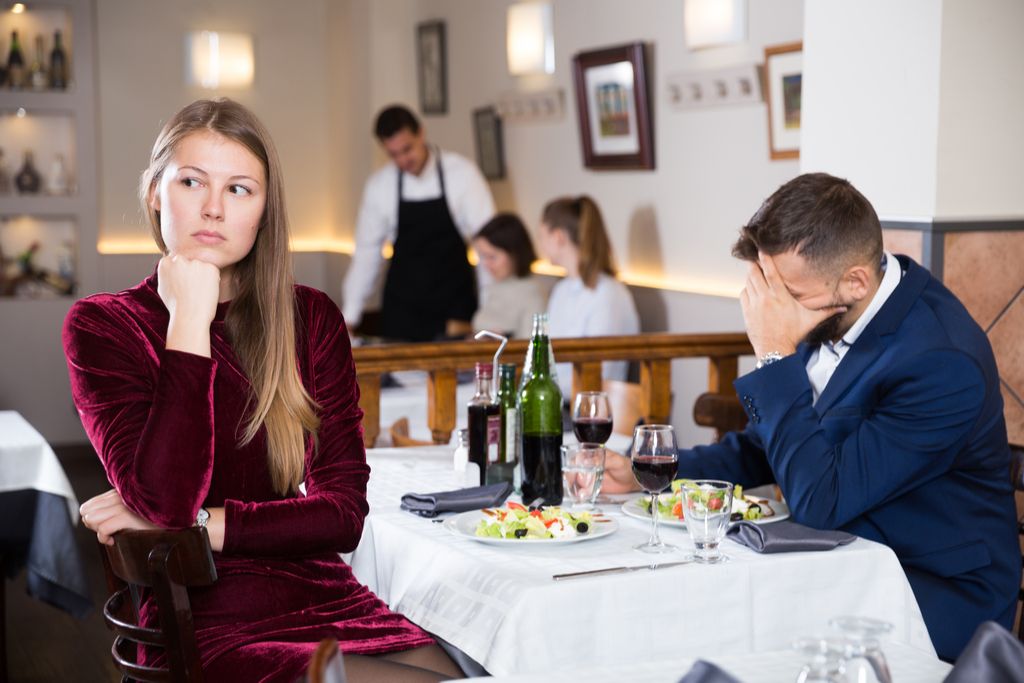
(106, 514)
(189, 289)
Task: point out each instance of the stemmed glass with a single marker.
(592, 417)
(654, 457)
(825, 658)
(864, 633)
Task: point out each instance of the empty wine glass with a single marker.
(654, 457)
(867, 663)
(825, 658)
(592, 417)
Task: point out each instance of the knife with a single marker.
(620, 570)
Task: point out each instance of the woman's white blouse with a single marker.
(575, 310)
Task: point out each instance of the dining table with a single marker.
(499, 604)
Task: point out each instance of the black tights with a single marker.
(427, 664)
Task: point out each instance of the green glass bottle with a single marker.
(540, 414)
(506, 467)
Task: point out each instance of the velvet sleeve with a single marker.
(330, 516)
(147, 411)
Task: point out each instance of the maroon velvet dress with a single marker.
(166, 425)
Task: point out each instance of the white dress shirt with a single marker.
(575, 310)
(469, 201)
(826, 358)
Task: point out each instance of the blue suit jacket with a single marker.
(906, 446)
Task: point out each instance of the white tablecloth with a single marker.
(907, 664)
(501, 607)
(28, 462)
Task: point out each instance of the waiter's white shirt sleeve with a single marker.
(469, 201)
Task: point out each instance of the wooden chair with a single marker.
(627, 403)
(1017, 477)
(167, 563)
(722, 412)
(400, 435)
(326, 665)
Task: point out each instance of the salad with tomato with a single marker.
(743, 507)
(515, 521)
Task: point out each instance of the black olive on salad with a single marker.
(520, 533)
(582, 527)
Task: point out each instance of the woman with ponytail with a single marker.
(217, 386)
(589, 301)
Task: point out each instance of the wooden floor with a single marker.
(44, 643)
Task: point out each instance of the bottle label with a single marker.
(511, 418)
(493, 437)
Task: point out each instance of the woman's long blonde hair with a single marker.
(581, 220)
(261, 319)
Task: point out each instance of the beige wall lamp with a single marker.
(530, 39)
(215, 60)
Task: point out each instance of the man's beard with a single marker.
(826, 330)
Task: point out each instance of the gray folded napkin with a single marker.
(786, 537)
(459, 500)
(706, 672)
(993, 655)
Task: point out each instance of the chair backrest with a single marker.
(400, 435)
(722, 412)
(626, 399)
(167, 563)
(326, 665)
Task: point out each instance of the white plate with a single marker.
(632, 508)
(464, 524)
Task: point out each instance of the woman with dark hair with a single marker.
(510, 301)
(214, 389)
(589, 301)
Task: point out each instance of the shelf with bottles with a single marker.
(35, 50)
(37, 258)
(37, 156)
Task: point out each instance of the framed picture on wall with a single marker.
(490, 151)
(783, 70)
(614, 108)
(432, 67)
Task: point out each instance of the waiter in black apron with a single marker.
(427, 203)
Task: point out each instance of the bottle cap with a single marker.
(484, 370)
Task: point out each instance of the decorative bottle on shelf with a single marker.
(540, 414)
(484, 422)
(15, 63)
(28, 181)
(37, 76)
(5, 176)
(506, 468)
(57, 179)
(58, 64)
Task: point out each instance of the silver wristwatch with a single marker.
(202, 517)
(768, 359)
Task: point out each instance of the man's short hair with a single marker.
(394, 119)
(824, 218)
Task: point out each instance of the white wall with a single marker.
(981, 106)
(870, 98)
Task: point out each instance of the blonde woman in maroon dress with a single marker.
(217, 386)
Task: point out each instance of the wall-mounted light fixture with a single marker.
(530, 40)
(709, 23)
(219, 60)
(18, 8)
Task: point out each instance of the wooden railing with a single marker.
(441, 361)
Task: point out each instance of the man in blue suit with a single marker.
(875, 406)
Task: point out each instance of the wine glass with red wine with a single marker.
(592, 417)
(654, 458)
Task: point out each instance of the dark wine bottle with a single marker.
(28, 180)
(484, 422)
(58, 64)
(540, 411)
(505, 469)
(15, 63)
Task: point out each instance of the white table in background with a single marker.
(499, 605)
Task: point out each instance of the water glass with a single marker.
(708, 508)
(825, 659)
(582, 473)
(867, 663)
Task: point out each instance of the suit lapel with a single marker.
(872, 340)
